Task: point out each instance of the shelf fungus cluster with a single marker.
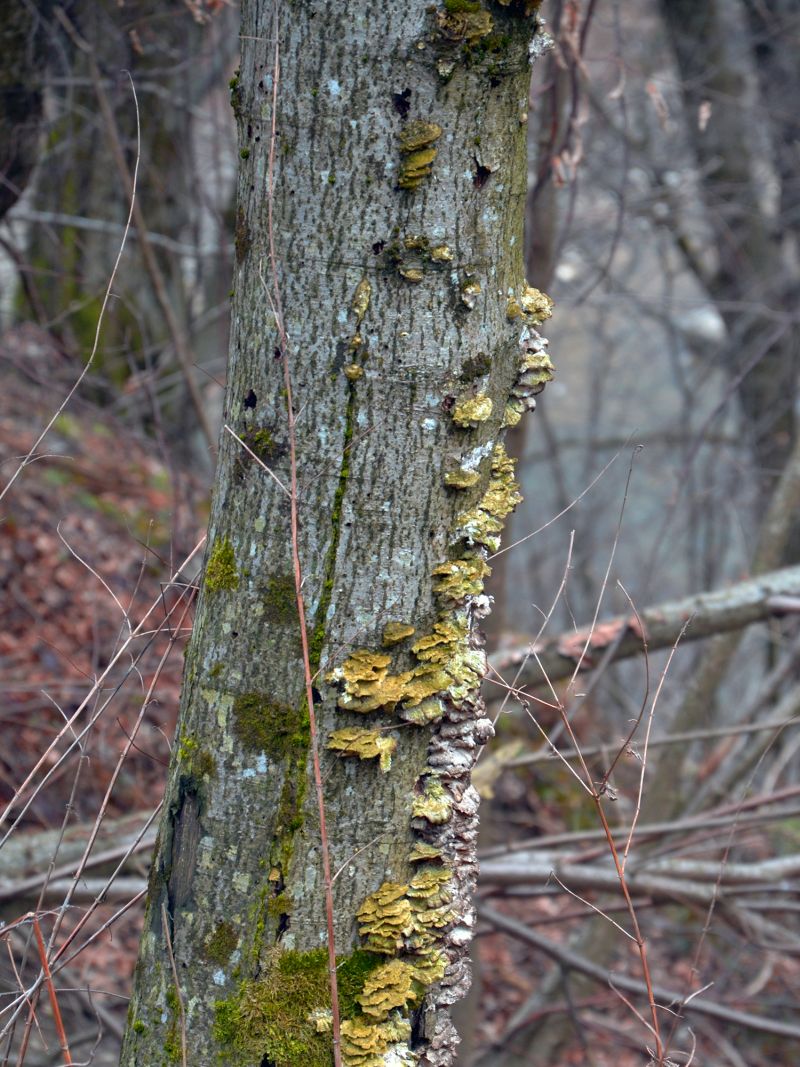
(418, 151)
(535, 370)
(423, 927)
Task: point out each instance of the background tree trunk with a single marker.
(755, 278)
(89, 137)
(399, 187)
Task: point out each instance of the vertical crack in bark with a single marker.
(318, 636)
(185, 839)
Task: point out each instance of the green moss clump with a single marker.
(220, 943)
(454, 6)
(139, 1027)
(279, 906)
(221, 573)
(172, 1047)
(172, 1043)
(277, 1017)
(199, 762)
(280, 601)
(316, 641)
(245, 153)
(269, 726)
(262, 444)
(475, 367)
(351, 974)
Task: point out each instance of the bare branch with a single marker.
(728, 609)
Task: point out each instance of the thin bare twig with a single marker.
(48, 979)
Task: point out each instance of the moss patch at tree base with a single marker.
(285, 1015)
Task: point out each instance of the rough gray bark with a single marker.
(399, 188)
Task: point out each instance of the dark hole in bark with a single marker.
(402, 103)
(481, 176)
(378, 247)
(416, 1027)
(250, 400)
(185, 839)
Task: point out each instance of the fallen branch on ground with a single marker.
(718, 612)
(674, 1000)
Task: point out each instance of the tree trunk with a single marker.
(24, 50)
(399, 186)
(755, 277)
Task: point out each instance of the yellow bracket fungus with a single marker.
(513, 412)
(418, 134)
(434, 804)
(386, 918)
(430, 888)
(462, 478)
(441, 254)
(361, 298)
(460, 578)
(532, 306)
(416, 145)
(535, 371)
(470, 292)
(365, 744)
(472, 410)
(483, 524)
(422, 852)
(422, 714)
(466, 26)
(394, 985)
(395, 632)
(365, 1043)
(447, 664)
